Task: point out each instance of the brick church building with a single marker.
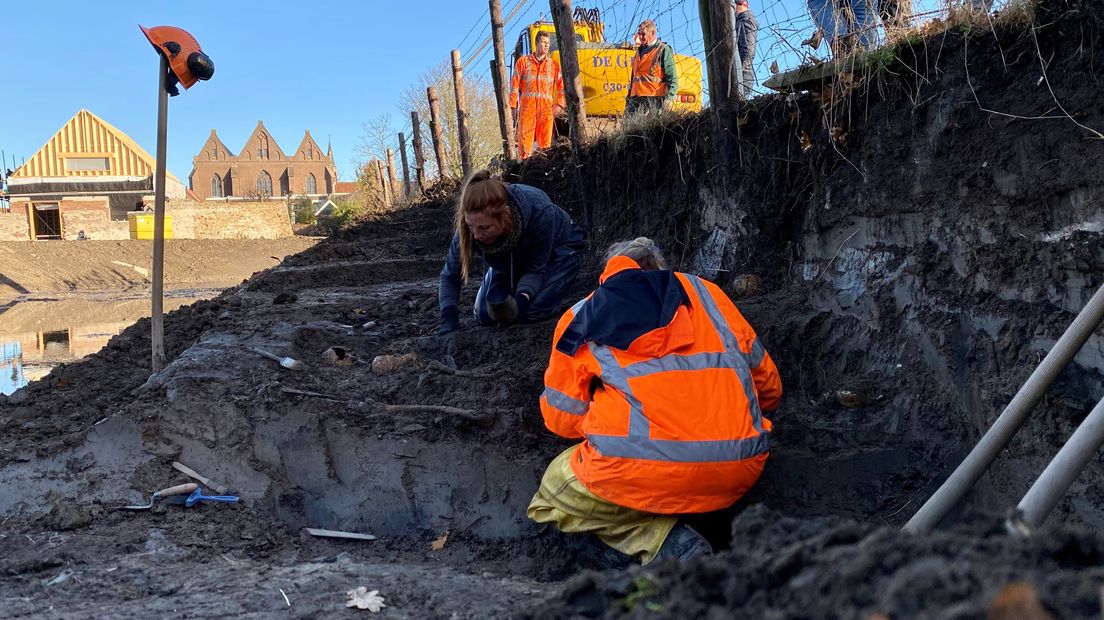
(262, 169)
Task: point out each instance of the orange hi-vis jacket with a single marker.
(536, 88)
(647, 74)
(672, 423)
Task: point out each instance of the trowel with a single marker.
(287, 362)
(180, 489)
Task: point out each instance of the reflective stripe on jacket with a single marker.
(536, 82)
(672, 423)
(647, 73)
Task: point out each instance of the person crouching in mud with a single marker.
(666, 385)
(530, 250)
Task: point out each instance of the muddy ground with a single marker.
(924, 265)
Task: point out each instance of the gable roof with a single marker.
(87, 135)
(256, 139)
(308, 144)
(213, 140)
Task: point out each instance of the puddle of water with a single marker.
(37, 334)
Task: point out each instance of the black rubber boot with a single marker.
(682, 544)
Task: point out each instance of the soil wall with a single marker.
(918, 237)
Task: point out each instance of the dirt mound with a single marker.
(837, 568)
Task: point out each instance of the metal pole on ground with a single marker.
(419, 155)
(569, 66)
(461, 114)
(189, 65)
(498, 72)
(1011, 419)
(157, 306)
(436, 134)
(1056, 479)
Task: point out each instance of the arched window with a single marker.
(216, 187)
(262, 149)
(264, 184)
(214, 152)
(312, 185)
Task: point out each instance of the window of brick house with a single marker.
(214, 152)
(312, 184)
(262, 150)
(264, 184)
(87, 163)
(216, 187)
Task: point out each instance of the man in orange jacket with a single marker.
(666, 383)
(536, 96)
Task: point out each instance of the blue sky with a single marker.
(320, 65)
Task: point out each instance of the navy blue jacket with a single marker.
(547, 236)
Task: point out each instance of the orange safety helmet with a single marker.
(186, 58)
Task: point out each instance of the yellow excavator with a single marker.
(607, 67)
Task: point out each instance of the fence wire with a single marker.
(785, 35)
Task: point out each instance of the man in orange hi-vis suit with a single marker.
(665, 384)
(536, 96)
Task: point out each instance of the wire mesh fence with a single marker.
(791, 34)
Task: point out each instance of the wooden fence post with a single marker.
(461, 114)
(499, 77)
(435, 131)
(705, 19)
(384, 186)
(405, 168)
(724, 62)
(569, 65)
(419, 156)
(391, 176)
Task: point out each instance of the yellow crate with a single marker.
(141, 226)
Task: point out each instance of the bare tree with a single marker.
(482, 111)
(376, 136)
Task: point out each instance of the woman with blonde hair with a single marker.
(530, 249)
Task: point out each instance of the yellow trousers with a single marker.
(564, 502)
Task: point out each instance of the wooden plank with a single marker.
(815, 76)
(337, 534)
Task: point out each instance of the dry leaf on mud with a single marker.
(439, 544)
(774, 67)
(363, 598)
(742, 120)
(806, 143)
(383, 364)
(838, 134)
(1018, 601)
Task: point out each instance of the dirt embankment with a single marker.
(93, 266)
(923, 266)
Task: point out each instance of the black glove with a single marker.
(450, 320)
(522, 300)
